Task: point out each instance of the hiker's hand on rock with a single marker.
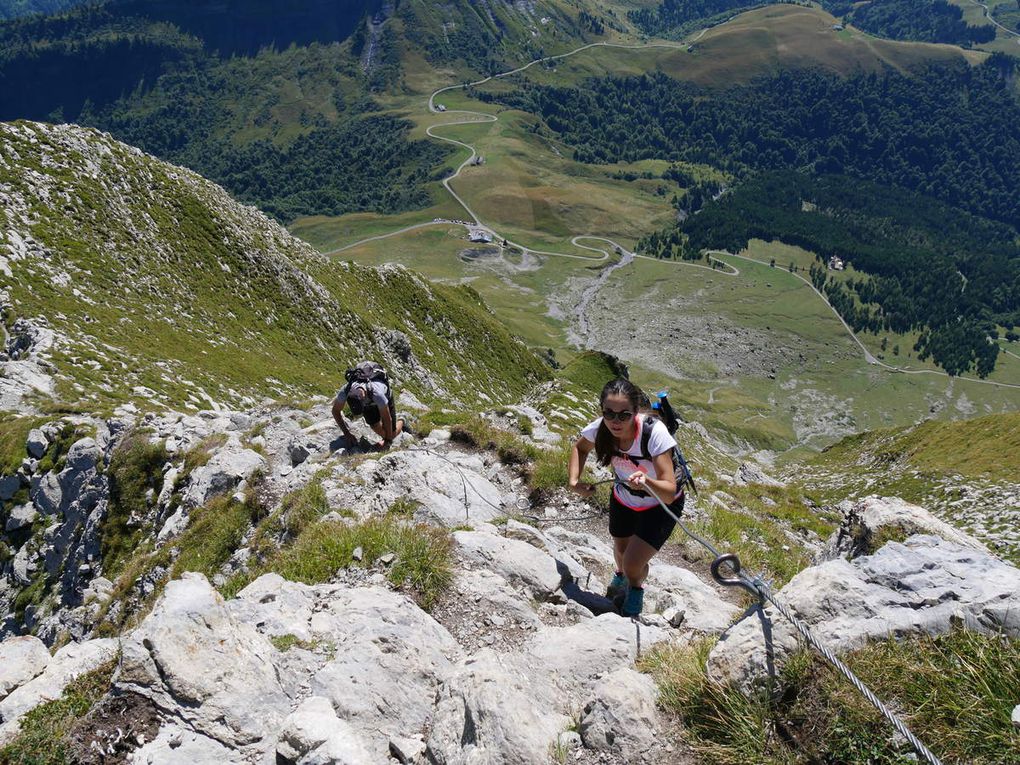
(584, 489)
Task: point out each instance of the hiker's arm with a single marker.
(578, 456)
(338, 415)
(664, 487)
(386, 421)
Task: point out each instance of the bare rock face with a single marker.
(37, 443)
(390, 659)
(923, 585)
(869, 522)
(492, 709)
(517, 562)
(69, 663)
(621, 717)
(21, 659)
(194, 660)
(750, 472)
(226, 469)
(313, 734)
(24, 361)
(451, 489)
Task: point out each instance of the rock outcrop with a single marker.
(925, 584)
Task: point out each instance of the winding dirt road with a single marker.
(626, 256)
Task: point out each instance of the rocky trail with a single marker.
(506, 666)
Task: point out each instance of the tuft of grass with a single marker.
(956, 691)
(215, 532)
(202, 452)
(548, 471)
(136, 468)
(756, 533)
(297, 510)
(403, 507)
(422, 565)
(724, 724)
(511, 449)
(43, 736)
(13, 435)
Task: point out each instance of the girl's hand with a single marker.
(636, 480)
(584, 489)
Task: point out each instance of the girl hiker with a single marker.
(640, 451)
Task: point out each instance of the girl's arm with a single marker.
(578, 456)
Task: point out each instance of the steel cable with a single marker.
(758, 586)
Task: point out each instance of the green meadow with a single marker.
(529, 190)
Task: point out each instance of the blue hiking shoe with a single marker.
(618, 586)
(634, 602)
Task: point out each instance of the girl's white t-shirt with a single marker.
(660, 441)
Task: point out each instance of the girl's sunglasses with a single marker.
(623, 416)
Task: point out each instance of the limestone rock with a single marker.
(37, 443)
(518, 562)
(174, 745)
(9, 486)
(923, 585)
(276, 607)
(48, 494)
(621, 717)
(193, 659)
(387, 649)
(450, 489)
(298, 452)
(21, 659)
(226, 469)
(750, 472)
(490, 711)
(1015, 717)
(867, 521)
(572, 657)
(67, 664)
(83, 455)
(313, 724)
(20, 517)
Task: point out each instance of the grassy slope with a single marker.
(985, 447)
(530, 189)
(160, 280)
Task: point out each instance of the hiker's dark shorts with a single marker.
(373, 416)
(652, 525)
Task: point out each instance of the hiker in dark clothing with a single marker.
(367, 394)
(640, 450)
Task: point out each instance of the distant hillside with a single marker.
(11, 9)
(967, 472)
(952, 276)
(921, 20)
(159, 287)
(271, 99)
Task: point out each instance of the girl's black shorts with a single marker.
(652, 525)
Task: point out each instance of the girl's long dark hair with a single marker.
(605, 443)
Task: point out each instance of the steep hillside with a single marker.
(966, 472)
(269, 98)
(10, 9)
(138, 279)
